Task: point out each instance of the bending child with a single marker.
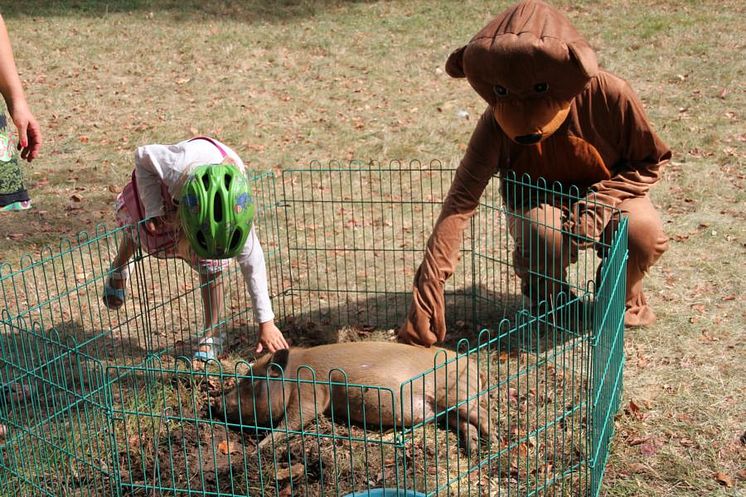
(195, 199)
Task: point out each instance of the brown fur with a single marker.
(290, 404)
(530, 43)
(552, 114)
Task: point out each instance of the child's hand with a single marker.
(270, 338)
(155, 225)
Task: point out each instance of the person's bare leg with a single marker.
(211, 290)
(118, 279)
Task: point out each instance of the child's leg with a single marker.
(211, 290)
(117, 279)
(124, 254)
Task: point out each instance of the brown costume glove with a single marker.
(425, 324)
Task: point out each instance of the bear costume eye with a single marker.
(541, 87)
(500, 91)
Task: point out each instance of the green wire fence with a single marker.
(95, 401)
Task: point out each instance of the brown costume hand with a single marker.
(425, 324)
(588, 220)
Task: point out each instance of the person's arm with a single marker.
(642, 157)
(642, 153)
(425, 324)
(29, 133)
(254, 270)
(154, 165)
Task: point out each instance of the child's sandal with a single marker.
(114, 297)
(213, 348)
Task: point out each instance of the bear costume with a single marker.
(551, 113)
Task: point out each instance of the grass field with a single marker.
(289, 82)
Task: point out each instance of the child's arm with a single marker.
(155, 165)
(29, 133)
(251, 260)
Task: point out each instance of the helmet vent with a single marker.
(206, 181)
(217, 212)
(227, 179)
(201, 240)
(235, 240)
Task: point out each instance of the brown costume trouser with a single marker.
(541, 250)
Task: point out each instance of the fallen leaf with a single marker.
(15, 236)
(634, 410)
(83, 139)
(114, 189)
(134, 442)
(294, 471)
(686, 442)
(637, 441)
(226, 447)
(706, 337)
(76, 198)
(649, 449)
(642, 361)
(723, 479)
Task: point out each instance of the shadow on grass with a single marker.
(242, 10)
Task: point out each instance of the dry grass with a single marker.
(318, 80)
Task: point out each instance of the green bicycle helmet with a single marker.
(216, 210)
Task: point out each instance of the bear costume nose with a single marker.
(528, 139)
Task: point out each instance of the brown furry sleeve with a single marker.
(635, 153)
(641, 153)
(425, 323)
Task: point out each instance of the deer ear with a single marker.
(455, 63)
(279, 358)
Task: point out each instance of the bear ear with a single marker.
(455, 63)
(585, 58)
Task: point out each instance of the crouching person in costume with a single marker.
(551, 113)
(196, 201)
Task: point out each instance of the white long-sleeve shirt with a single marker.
(170, 165)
